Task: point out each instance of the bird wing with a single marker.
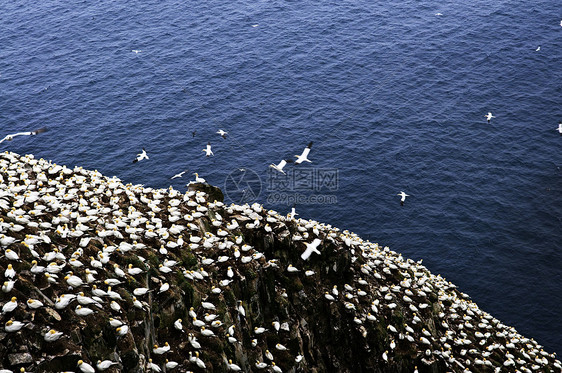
(306, 150)
(282, 164)
(40, 130)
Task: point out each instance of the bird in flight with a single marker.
(293, 212)
(31, 133)
(538, 48)
(279, 167)
(141, 156)
(403, 195)
(304, 156)
(207, 150)
(136, 51)
(560, 127)
(489, 117)
(222, 133)
(178, 175)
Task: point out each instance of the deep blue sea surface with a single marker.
(392, 95)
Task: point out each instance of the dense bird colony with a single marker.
(83, 252)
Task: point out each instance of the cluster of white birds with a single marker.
(86, 251)
(143, 155)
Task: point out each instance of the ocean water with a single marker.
(392, 95)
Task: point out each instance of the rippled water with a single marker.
(392, 95)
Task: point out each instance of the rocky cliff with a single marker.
(98, 275)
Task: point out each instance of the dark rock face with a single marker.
(161, 270)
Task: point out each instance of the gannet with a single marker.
(13, 326)
(11, 255)
(222, 133)
(178, 175)
(10, 272)
(260, 365)
(31, 133)
(85, 367)
(103, 365)
(199, 179)
(178, 325)
(141, 156)
(34, 304)
(311, 248)
(153, 366)
(279, 167)
(207, 150)
(233, 367)
(304, 156)
(538, 48)
(241, 309)
(52, 335)
(10, 306)
(560, 128)
(136, 51)
(403, 197)
(489, 116)
(171, 364)
(83, 311)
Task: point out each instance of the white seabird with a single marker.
(207, 150)
(311, 248)
(403, 195)
(293, 212)
(304, 156)
(560, 127)
(178, 175)
(199, 179)
(30, 133)
(279, 167)
(489, 116)
(222, 133)
(141, 156)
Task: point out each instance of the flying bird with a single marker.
(141, 156)
(311, 248)
(279, 167)
(560, 128)
(208, 151)
(538, 48)
(222, 133)
(293, 212)
(31, 133)
(178, 175)
(136, 51)
(489, 117)
(304, 156)
(403, 195)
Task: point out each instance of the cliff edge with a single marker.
(103, 276)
